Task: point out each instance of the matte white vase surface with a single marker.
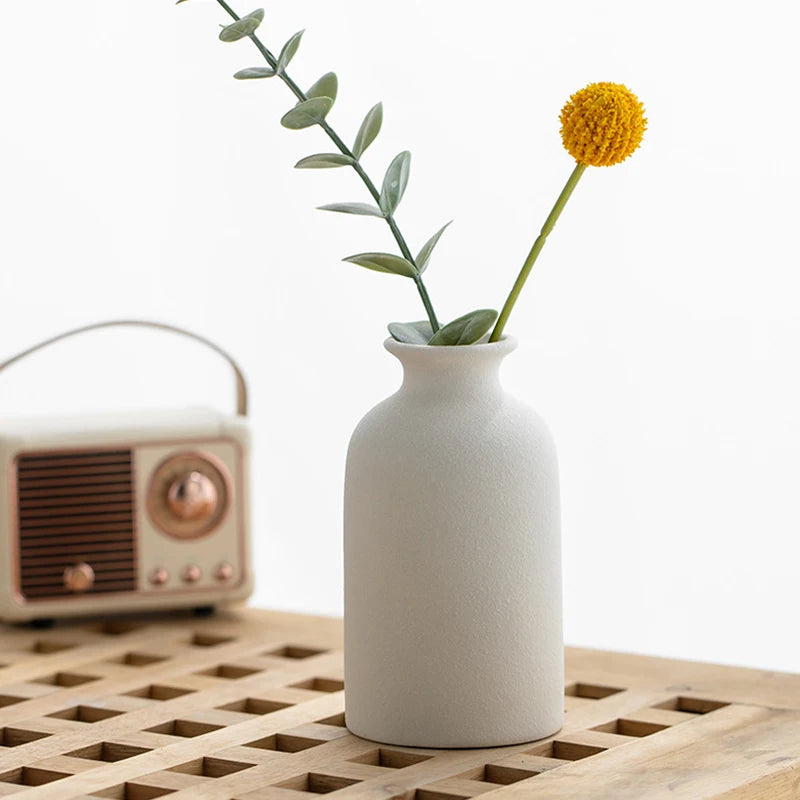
(452, 557)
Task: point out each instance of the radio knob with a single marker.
(79, 578)
(191, 573)
(158, 576)
(223, 571)
(192, 497)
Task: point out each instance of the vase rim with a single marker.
(502, 348)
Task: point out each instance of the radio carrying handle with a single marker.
(241, 384)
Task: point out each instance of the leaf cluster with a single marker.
(469, 329)
(312, 108)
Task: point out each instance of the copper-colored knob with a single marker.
(191, 573)
(223, 571)
(158, 576)
(193, 496)
(79, 578)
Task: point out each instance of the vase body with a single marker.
(453, 634)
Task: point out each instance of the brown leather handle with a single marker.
(241, 385)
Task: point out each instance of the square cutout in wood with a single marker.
(317, 783)
(503, 775)
(10, 700)
(388, 757)
(320, 685)
(32, 776)
(630, 727)
(565, 751)
(285, 743)
(65, 679)
(495, 775)
(337, 720)
(183, 727)
(434, 792)
(158, 691)
(135, 659)
(210, 767)
(14, 737)
(209, 640)
(108, 751)
(82, 713)
(132, 791)
(295, 651)
(46, 646)
(254, 705)
(118, 627)
(229, 671)
(590, 691)
(691, 705)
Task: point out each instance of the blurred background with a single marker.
(659, 335)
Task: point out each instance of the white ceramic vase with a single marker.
(452, 560)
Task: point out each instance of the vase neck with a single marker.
(451, 371)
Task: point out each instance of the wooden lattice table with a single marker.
(249, 706)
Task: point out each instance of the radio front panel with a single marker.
(96, 522)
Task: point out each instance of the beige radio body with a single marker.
(123, 513)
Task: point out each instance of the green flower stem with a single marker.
(344, 149)
(548, 226)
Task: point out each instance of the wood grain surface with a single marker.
(249, 705)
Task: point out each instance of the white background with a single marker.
(660, 335)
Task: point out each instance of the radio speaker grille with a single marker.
(76, 508)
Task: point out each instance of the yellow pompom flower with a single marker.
(602, 124)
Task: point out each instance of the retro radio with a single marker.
(124, 513)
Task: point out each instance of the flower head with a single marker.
(602, 124)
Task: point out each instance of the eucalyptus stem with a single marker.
(548, 226)
(356, 164)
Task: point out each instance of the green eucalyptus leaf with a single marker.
(307, 113)
(251, 73)
(324, 161)
(384, 262)
(369, 129)
(362, 209)
(326, 86)
(178, 2)
(395, 182)
(288, 51)
(411, 332)
(424, 254)
(245, 26)
(467, 329)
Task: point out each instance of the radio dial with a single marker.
(189, 495)
(192, 497)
